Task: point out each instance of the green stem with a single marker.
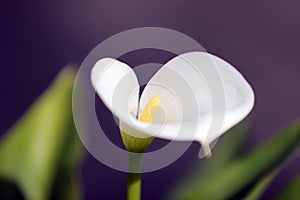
(134, 180)
(134, 186)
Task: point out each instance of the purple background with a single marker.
(261, 39)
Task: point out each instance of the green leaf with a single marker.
(292, 190)
(249, 173)
(259, 188)
(43, 145)
(226, 150)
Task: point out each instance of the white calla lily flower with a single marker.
(182, 91)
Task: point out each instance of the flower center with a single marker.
(150, 110)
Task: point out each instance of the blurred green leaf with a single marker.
(292, 191)
(251, 173)
(226, 150)
(258, 189)
(40, 154)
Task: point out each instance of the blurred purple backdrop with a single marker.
(261, 39)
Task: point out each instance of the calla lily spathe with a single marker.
(185, 98)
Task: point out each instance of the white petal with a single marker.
(117, 85)
(202, 96)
